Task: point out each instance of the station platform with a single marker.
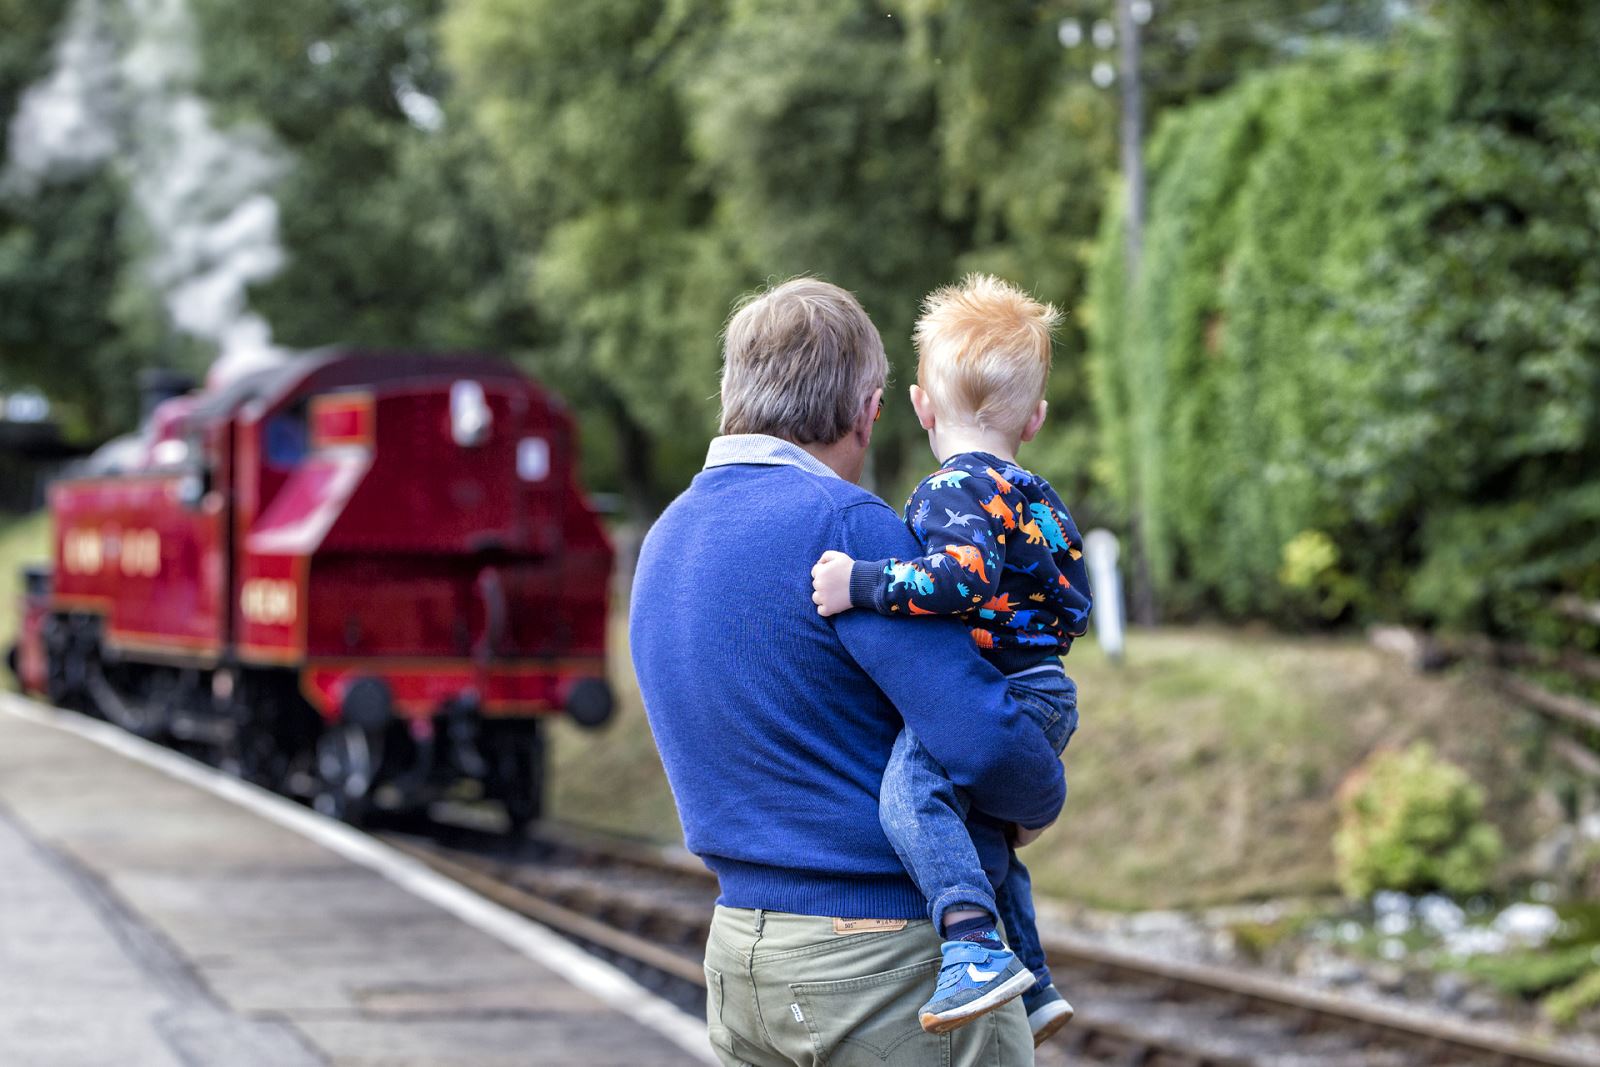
(154, 913)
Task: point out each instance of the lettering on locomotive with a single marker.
(81, 551)
(141, 553)
(269, 601)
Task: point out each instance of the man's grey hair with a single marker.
(798, 361)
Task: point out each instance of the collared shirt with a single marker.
(765, 450)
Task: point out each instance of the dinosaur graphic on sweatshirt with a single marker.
(1044, 517)
(997, 508)
(1005, 487)
(970, 558)
(909, 576)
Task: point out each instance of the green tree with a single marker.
(1367, 315)
(816, 127)
(76, 318)
(580, 107)
(25, 47)
(1028, 149)
(401, 226)
(387, 221)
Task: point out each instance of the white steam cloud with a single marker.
(122, 91)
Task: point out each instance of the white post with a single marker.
(1101, 550)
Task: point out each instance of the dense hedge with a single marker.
(1359, 374)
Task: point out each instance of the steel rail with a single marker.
(1442, 1038)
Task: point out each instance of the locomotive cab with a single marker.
(367, 578)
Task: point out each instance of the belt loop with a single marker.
(761, 920)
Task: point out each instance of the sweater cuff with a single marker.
(864, 575)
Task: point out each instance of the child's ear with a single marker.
(1037, 420)
(922, 404)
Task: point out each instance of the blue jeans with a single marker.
(924, 816)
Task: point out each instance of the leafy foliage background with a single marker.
(1356, 378)
(1367, 314)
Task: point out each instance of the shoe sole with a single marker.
(1049, 1027)
(955, 1019)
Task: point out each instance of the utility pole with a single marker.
(1131, 15)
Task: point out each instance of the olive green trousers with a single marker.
(785, 990)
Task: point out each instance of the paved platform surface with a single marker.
(146, 922)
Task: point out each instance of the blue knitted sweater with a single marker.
(775, 724)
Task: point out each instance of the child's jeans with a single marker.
(924, 816)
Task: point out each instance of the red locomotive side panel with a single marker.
(272, 608)
(130, 550)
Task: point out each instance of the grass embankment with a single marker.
(1204, 770)
(23, 539)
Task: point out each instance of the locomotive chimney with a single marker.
(160, 383)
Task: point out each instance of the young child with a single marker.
(1004, 555)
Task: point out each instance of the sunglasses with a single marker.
(879, 414)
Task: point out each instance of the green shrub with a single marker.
(1412, 822)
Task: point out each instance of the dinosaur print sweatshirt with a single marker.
(1002, 553)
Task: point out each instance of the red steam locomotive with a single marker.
(360, 577)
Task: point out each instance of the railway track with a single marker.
(647, 911)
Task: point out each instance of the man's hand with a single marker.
(1021, 836)
(830, 583)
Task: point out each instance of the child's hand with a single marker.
(830, 583)
(1021, 835)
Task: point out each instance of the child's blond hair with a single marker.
(983, 352)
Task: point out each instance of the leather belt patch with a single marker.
(865, 926)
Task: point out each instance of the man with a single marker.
(775, 723)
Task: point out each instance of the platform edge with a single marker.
(596, 977)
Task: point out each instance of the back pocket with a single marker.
(874, 1017)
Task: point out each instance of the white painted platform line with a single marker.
(537, 942)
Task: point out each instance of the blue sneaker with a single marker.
(1048, 1011)
(973, 981)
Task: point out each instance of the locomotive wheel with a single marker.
(67, 651)
(147, 710)
(349, 760)
(519, 771)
